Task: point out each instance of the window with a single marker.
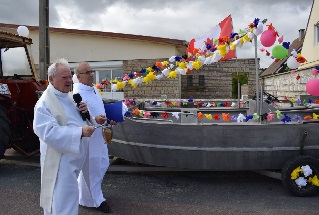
(15, 61)
(107, 75)
(317, 33)
(189, 80)
(201, 80)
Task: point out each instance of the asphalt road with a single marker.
(133, 191)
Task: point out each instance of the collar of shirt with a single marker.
(57, 92)
(83, 87)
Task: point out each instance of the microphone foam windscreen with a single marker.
(77, 98)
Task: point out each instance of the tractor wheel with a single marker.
(5, 132)
(297, 182)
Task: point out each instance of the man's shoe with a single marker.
(104, 207)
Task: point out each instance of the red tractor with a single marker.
(20, 89)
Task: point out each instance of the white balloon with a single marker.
(23, 31)
(292, 62)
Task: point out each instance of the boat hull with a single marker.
(220, 147)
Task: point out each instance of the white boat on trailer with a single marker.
(190, 143)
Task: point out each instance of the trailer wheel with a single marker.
(307, 189)
(5, 132)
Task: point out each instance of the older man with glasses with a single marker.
(96, 165)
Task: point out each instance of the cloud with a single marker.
(184, 19)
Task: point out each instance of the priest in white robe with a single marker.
(91, 176)
(63, 142)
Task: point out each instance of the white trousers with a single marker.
(66, 194)
(91, 176)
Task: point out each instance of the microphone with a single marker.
(77, 99)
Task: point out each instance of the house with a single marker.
(114, 54)
(282, 83)
(111, 55)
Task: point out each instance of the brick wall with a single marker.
(154, 89)
(218, 81)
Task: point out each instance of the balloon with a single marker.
(292, 63)
(279, 52)
(268, 38)
(312, 87)
(23, 31)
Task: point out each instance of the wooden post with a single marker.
(44, 40)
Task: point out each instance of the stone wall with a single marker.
(286, 84)
(153, 90)
(217, 84)
(218, 79)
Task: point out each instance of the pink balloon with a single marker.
(268, 38)
(312, 87)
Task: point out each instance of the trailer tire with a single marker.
(300, 160)
(5, 132)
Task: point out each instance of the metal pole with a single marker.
(44, 41)
(238, 91)
(257, 76)
(180, 85)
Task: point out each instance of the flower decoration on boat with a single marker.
(249, 117)
(307, 117)
(129, 102)
(200, 115)
(270, 116)
(315, 116)
(216, 117)
(278, 114)
(241, 117)
(226, 117)
(298, 118)
(165, 115)
(176, 115)
(136, 111)
(147, 114)
(155, 114)
(286, 119)
(303, 175)
(209, 116)
(255, 116)
(206, 116)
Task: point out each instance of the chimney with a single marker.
(301, 34)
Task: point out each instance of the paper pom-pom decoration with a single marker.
(200, 115)
(314, 71)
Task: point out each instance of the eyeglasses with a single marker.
(87, 72)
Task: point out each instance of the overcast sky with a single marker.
(183, 19)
